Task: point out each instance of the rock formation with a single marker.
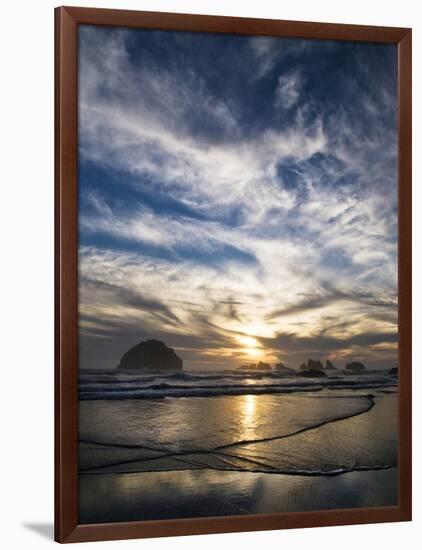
(246, 367)
(355, 367)
(263, 366)
(254, 367)
(311, 364)
(151, 355)
(313, 373)
(394, 371)
(281, 367)
(329, 365)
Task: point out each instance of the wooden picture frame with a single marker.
(67, 20)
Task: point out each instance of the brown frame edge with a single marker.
(66, 353)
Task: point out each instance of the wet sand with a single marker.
(204, 493)
(202, 457)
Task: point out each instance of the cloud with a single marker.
(374, 348)
(270, 52)
(287, 93)
(251, 204)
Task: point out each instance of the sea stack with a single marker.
(151, 355)
(312, 365)
(355, 367)
(253, 367)
(281, 367)
(329, 365)
(263, 366)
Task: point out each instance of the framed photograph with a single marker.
(233, 274)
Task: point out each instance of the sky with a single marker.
(237, 198)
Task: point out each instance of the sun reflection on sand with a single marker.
(250, 406)
(248, 419)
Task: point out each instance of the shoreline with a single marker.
(259, 451)
(185, 458)
(301, 473)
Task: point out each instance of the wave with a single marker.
(113, 377)
(158, 392)
(146, 389)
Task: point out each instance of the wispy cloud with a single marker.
(288, 89)
(216, 207)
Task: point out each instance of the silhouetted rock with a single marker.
(281, 367)
(313, 373)
(329, 365)
(151, 355)
(246, 367)
(355, 367)
(394, 371)
(256, 367)
(311, 364)
(263, 366)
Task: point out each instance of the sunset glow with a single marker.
(242, 214)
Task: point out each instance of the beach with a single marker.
(296, 446)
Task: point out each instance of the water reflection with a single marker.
(360, 441)
(248, 419)
(197, 423)
(166, 495)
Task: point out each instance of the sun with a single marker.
(250, 345)
(248, 341)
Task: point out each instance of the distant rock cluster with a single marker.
(315, 369)
(317, 365)
(281, 367)
(312, 368)
(256, 366)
